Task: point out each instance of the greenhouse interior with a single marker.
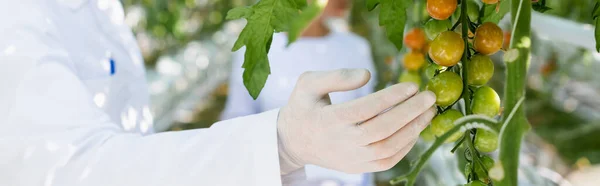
(535, 90)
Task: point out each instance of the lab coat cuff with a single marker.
(266, 148)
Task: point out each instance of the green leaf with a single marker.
(299, 24)
(596, 11)
(239, 12)
(301, 3)
(371, 4)
(393, 17)
(265, 18)
(597, 35)
(492, 13)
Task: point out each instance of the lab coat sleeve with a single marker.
(54, 134)
(239, 102)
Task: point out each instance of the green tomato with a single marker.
(480, 70)
(447, 87)
(410, 76)
(486, 102)
(427, 135)
(442, 123)
(480, 171)
(486, 141)
(476, 183)
(472, 11)
(430, 70)
(434, 27)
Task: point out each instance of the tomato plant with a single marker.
(458, 65)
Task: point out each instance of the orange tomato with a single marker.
(415, 39)
(447, 49)
(507, 36)
(488, 39)
(490, 1)
(414, 60)
(441, 9)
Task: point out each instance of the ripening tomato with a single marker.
(486, 102)
(427, 135)
(488, 38)
(489, 2)
(434, 27)
(476, 183)
(441, 9)
(410, 76)
(486, 141)
(443, 122)
(414, 60)
(415, 39)
(506, 44)
(447, 87)
(479, 70)
(447, 49)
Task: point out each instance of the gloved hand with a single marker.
(352, 137)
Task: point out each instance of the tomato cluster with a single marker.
(413, 61)
(460, 67)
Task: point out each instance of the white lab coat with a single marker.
(74, 109)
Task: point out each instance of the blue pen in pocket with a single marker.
(112, 67)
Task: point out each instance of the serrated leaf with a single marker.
(266, 18)
(393, 18)
(308, 14)
(597, 34)
(238, 13)
(492, 13)
(371, 4)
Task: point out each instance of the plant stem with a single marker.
(514, 129)
(465, 35)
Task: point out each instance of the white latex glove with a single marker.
(312, 131)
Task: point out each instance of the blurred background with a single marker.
(187, 44)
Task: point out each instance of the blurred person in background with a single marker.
(326, 44)
(74, 111)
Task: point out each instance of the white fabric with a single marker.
(334, 51)
(67, 120)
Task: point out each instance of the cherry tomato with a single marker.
(481, 171)
(472, 11)
(430, 70)
(434, 27)
(480, 70)
(489, 2)
(476, 183)
(447, 87)
(415, 39)
(442, 123)
(486, 102)
(506, 44)
(427, 135)
(414, 60)
(410, 76)
(447, 49)
(488, 38)
(486, 141)
(441, 9)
